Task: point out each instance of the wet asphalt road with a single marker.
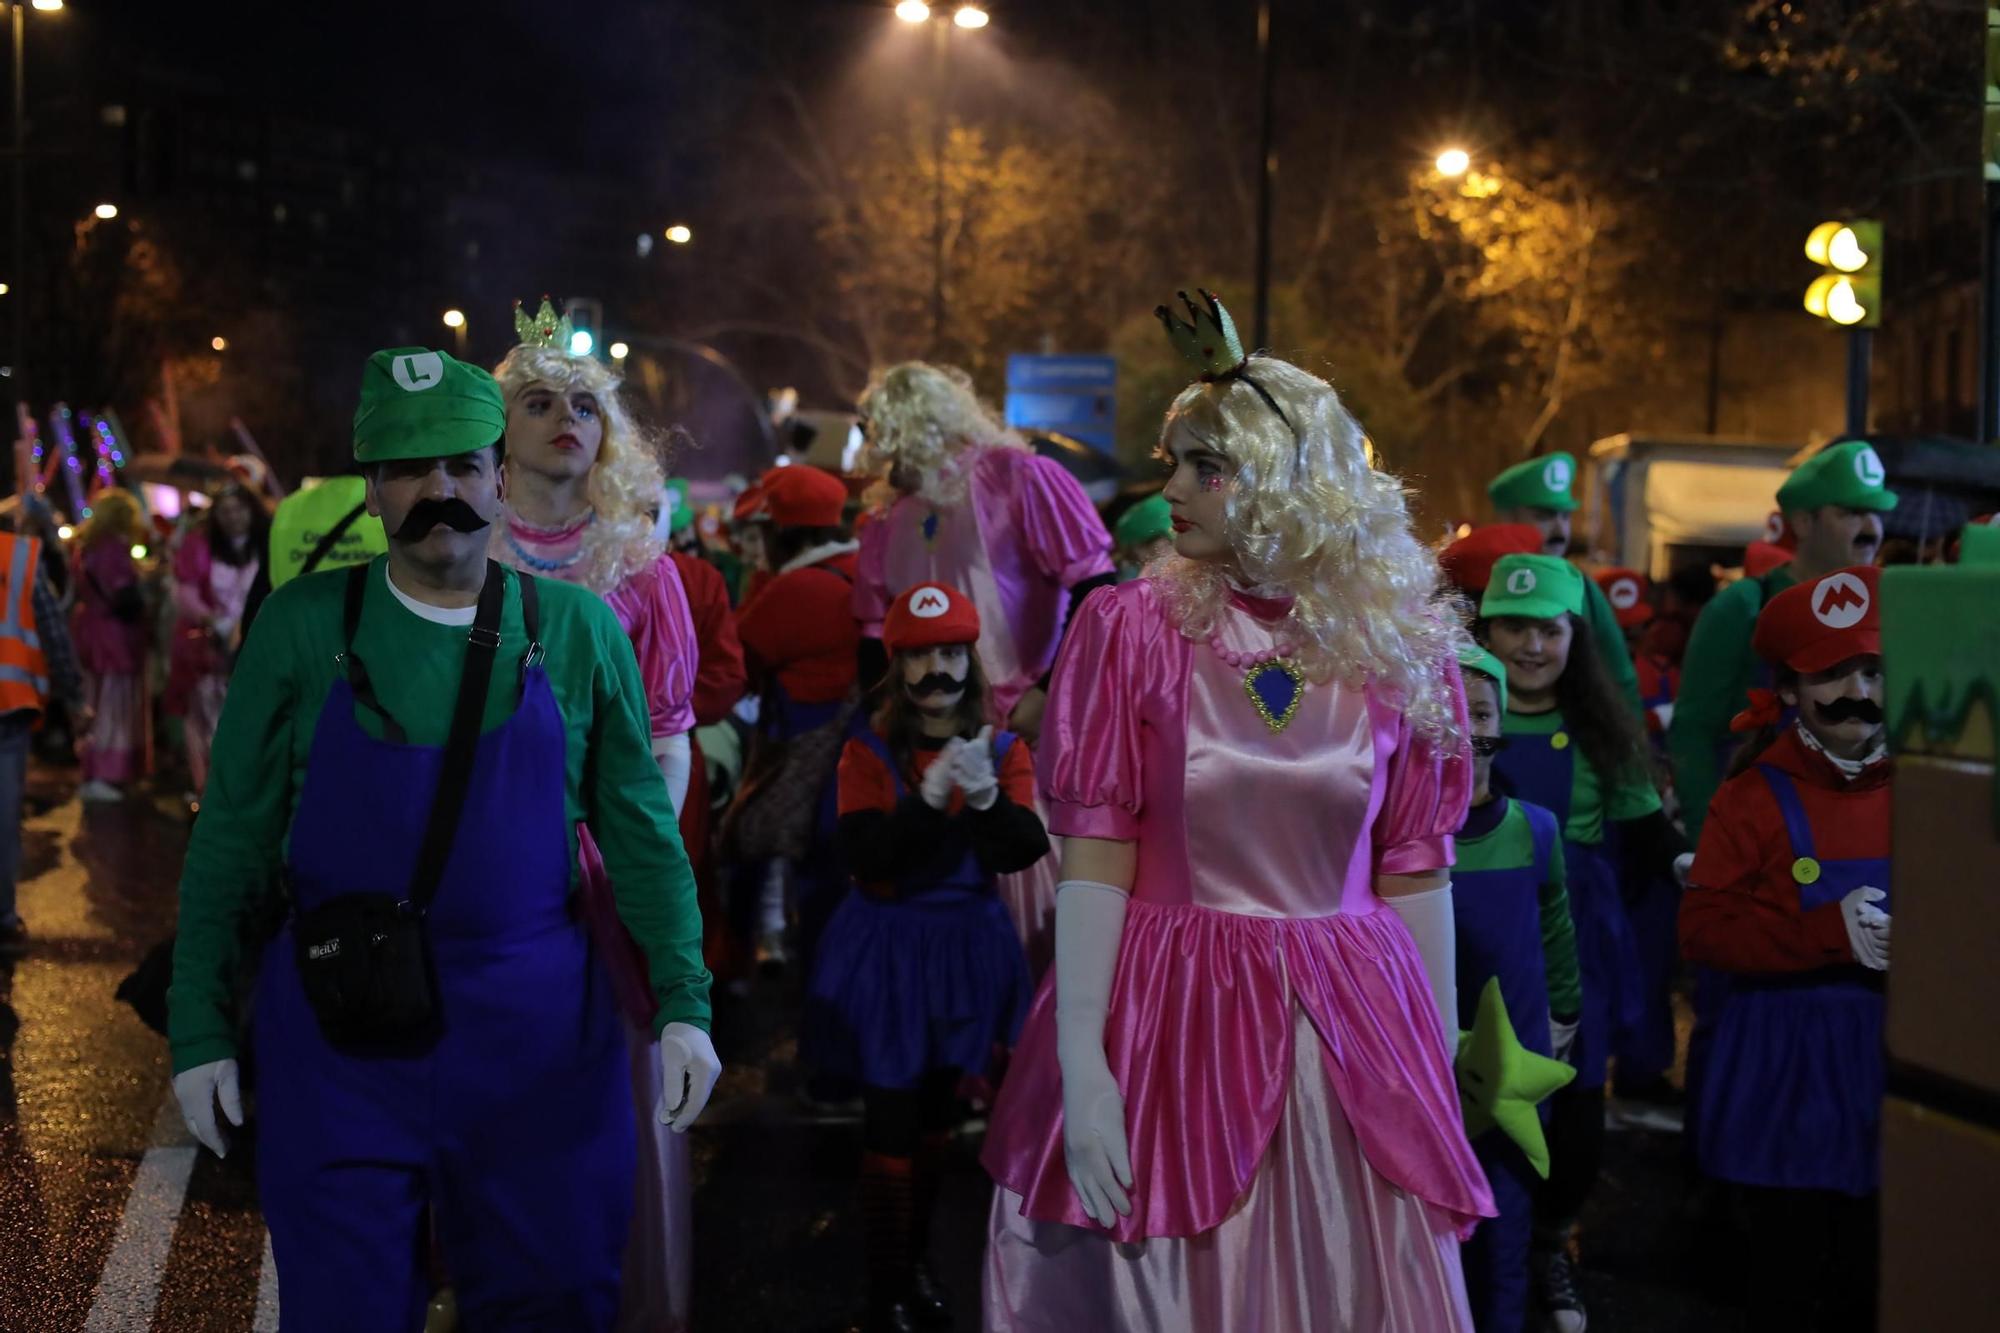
(110, 1220)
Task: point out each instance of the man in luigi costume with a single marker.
(1833, 503)
(507, 1125)
(1537, 493)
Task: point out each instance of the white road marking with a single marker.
(267, 1292)
(129, 1287)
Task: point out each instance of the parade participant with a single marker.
(325, 525)
(1511, 922)
(1574, 748)
(111, 630)
(37, 664)
(1833, 504)
(580, 480)
(919, 981)
(1788, 896)
(1537, 493)
(1232, 1106)
(214, 570)
(457, 1057)
(1144, 533)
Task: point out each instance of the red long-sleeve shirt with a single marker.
(1741, 912)
(721, 678)
(800, 627)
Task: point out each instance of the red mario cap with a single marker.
(1468, 562)
(928, 615)
(752, 505)
(1812, 626)
(803, 497)
(1630, 595)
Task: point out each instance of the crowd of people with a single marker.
(1181, 847)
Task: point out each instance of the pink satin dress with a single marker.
(1024, 535)
(1298, 1155)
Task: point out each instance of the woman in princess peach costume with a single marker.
(1232, 1108)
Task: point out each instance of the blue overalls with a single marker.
(1541, 770)
(1498, 923)
(931, 979)
(1793, 1093)
(514, 1130)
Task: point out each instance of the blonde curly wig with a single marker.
(928, 420)
(1307, 516)
(115, 515)
(625, 482)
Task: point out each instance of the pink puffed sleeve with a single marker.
(1089, 761)
(1429, 788)
(663, 638)
(871, 583)
(1065, 537)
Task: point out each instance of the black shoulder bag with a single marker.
(365, 957)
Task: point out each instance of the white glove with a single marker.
(1428, 915)
(224, 626)
(676, 760)
(1562, 1038)
(1090, 920)
(688, 1070)
(1682, 864)
(943, 772)
(1867, 927)
(197, 1090)
(975, 771)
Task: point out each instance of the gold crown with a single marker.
(544, 329)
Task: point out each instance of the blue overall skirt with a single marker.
(1498, 924)
(931, 979)
(513, 1131)
(1792, 1095)
(1538, 770)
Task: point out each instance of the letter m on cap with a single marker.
(929, 602)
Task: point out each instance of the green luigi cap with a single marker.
(1539, 587)
(680, 516)
(416, 403)
(1849, 474)
(1144, 521)
(1539, 483)
(1473, 657)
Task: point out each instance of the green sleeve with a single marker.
(1715, 680)
(632, 819)
(1611, 645)
(236, 845)
(1559, 941)
(1632, 797)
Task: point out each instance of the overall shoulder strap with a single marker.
(869, 737)
(1791, 807)
(463, 743)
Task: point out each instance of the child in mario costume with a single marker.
(1788, 896)
(919, 979)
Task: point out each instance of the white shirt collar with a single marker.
(812, 555)
(1850, 769)
(437, 615)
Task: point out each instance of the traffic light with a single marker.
(586, 321)
(1849, 291)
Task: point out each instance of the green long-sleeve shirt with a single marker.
(264, 740)
(1715, 685)
(1510, 845)
(1609, 638)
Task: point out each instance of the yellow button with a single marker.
(1805, 870)
(1559, 741)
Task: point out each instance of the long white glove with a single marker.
(1867, 927)
(676, 760)
(1429, 917)
(1562, 1038)
(198, 1090)
(975, 771)
(688, 1070)
(1090, 920)
(941, 775)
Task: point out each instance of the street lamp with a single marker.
(48, 6)
(454, 319)
(679, 235)
(219, 343)
(619, 351)
(971, 16)
(1454, 162)
(913, 11)
(106, 212)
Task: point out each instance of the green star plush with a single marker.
(1500, 1081)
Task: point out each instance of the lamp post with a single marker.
(455, 321)
(971, 18)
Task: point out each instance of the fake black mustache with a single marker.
(1488, 746)
(1852, 710)
(427, 514)
(936, 683)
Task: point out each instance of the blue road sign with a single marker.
(1076, 395)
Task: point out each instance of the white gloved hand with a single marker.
(675, 756)
(688, 1070)
(1682, 864)
(1428, 914)
(1562, 1038)
(1867, 927)
(975, 771)
(224, 626)
(198, 1090)
(943, 772)
(1090, 920)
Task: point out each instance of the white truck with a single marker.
(1656, 503)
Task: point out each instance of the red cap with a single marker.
(752, 505)
(928, 615)
(803, 497)
(1812, 626)
(1630, 595)
(1468, 562)
(1760, 558)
